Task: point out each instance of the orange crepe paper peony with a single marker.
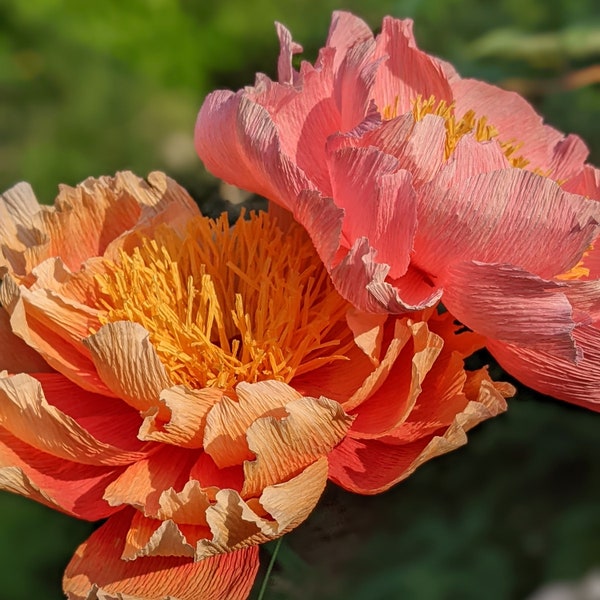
(415, 184)
(196, 384)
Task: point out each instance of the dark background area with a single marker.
(89, 88)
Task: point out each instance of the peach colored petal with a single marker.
(368, 332)
(283, 447)
(129, 366)
(96, 572)
(378, 377)
(28, 416)
(73, 488)
(188, 506)
(96, 414)
(228, 421)
(234, 524)
(188, 410)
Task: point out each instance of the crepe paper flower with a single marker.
(414, 183)
(197, 384)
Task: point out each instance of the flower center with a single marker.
(228, 304)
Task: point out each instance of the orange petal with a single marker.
(73, 488)
(27, 415)
(228, 421)
(389, 405)
(96, 572)
(284, 447)
(142, 483)
(372, 466)
(129, 366)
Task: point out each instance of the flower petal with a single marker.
(508, 304)
(283, 447)
(493, 218)
(228, 421)
(96, 571)
(576, 382)
(27, 415)
(129, 366)
(73, 488)
(373, 466)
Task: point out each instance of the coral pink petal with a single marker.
(578, 383)
(288, 48)
(73, 488)
(346, 31)
(238, 142)
(495, 216)
(408, 72)
(506, 303)
(96, 571)
(379, 203)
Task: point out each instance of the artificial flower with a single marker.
(416, 185)
(197, 384)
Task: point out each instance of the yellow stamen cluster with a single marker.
(225, 304)
(469, 123)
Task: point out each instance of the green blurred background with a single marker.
(88, 88)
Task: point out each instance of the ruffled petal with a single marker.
(238, 142)
(96, 571)
(371, 466)
(408, 72)
(379, 203)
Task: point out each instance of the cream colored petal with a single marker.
(28, 416)
(150, 537)
(129, 366)
(188, 506)
(187, 409)
(228, 421)
(283, 447)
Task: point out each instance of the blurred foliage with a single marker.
(88, 88)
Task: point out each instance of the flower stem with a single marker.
(263, 587)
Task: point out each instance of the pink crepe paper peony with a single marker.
(415, 184)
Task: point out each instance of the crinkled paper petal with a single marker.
(96, 571)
